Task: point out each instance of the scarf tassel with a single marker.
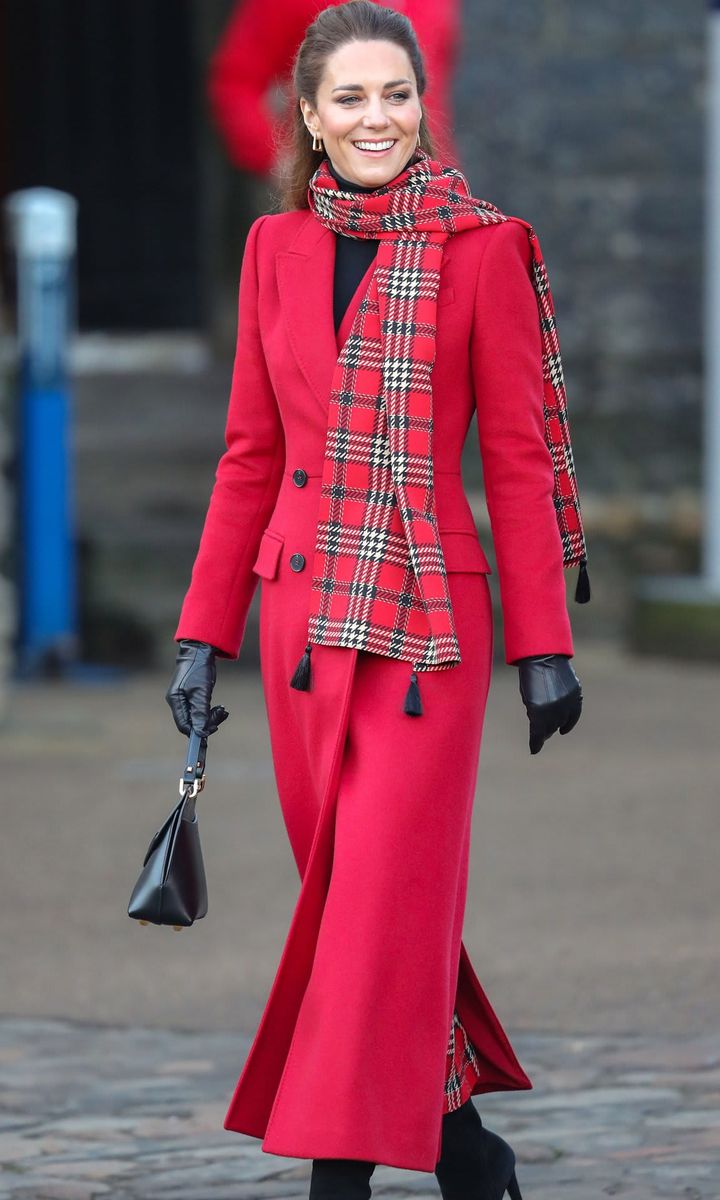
(301, 677)
(301, 682)
(413, 704)
(582, 588)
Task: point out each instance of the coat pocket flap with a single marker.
(266, 563)
(462, 551)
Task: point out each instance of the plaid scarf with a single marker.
(378, 575)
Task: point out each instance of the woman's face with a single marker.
(368, 111)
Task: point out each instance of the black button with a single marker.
(297, 561)
(300, 477)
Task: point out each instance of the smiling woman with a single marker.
(368, 129)
(341, 490)
(359, 78)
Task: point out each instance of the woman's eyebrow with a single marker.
(358, 87)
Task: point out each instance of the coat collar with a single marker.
(305, 273)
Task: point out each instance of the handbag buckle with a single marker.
(193, 787)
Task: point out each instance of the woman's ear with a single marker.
(307, 112)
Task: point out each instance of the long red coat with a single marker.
(349, 1057)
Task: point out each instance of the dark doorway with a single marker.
(101, 100)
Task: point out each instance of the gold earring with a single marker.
(317, 142)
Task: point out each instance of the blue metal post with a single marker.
(42, 225)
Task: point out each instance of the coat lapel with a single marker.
(305, 285)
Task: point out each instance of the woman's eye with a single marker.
(394, 96)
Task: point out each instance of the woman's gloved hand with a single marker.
(552, 695)
(190, 691)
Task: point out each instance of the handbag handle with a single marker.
(193, 777)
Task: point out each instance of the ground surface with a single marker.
(591, 920)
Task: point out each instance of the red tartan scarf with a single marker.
(378, 575)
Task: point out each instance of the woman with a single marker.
(341, 489)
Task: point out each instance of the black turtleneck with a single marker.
(352, 255)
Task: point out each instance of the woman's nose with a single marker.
(375, 115)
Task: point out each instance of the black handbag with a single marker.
(171, 888)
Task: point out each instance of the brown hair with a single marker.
(353, 21)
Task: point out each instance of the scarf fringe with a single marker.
(301, 676)
(301, 682)
(413, 703)
(582, 588)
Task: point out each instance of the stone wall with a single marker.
(587, 120)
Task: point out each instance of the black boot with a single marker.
(340, 1179)
(475, 1163)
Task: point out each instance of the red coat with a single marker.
(256, 51)
(349, 1057)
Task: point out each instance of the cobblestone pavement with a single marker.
(136, 1114)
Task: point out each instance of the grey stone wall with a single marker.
(587, 120)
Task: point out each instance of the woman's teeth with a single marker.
(375, 147)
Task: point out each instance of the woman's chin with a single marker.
(361, 169)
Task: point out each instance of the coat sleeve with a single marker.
(247, 482)
(506, 355)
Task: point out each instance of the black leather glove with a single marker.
(190, 691)
(552, 695)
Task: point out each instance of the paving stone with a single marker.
(103, 1168)
(593, 1129)
(691, 1118)
(57, 1189)
(602, 1096)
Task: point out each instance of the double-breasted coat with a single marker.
(349, 1057)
